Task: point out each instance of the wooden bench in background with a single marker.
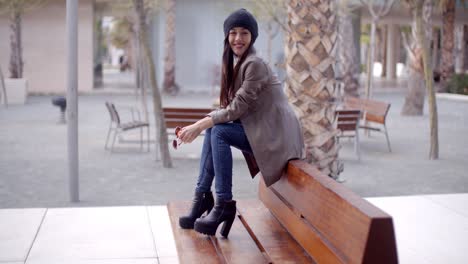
(181, 117)
(347, 121)
(305, 217)
(374, 112)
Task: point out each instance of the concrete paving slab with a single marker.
(169, 260)
(162, 232)
(94, 233)
(426, 231)
(18, 229)
(457, 202)
(96, 261)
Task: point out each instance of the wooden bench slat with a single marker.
(181, 117)
(239, 248)
(312, 242)
(187, 110)
(278, 244)
(191, 247)
(343, 218)
(184, 115)
(174, 124)
(375, 111)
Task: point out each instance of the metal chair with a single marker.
(117, 127)
(347, 121)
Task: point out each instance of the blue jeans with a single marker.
(216, 158)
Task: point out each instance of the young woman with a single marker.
(254, 116)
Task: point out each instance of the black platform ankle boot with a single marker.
(202, 202)
(224, 211)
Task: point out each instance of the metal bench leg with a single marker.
(388, 140)
(356, 145)
(107, 138)
(141, 139)
(113, 141)
(148, 137)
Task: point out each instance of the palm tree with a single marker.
(169, 85)
(414, 100)
(310, 45)
(348, 60)
(161, 132)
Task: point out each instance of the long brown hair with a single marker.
(229, 72)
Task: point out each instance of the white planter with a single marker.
(17, 90)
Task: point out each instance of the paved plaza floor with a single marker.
(131, 187)
(33, 157)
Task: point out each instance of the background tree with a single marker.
(310, 45)
(348, 61)
(161, 131)
(169, 84)
(15, 9)
(273, 14)
(3, 95)
(460, 49)
(385, 7)
(124, 36)
(414, 100)
(447, 66)
(465, 37)
(416, 7)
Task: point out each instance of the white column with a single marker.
(391, 52)
(72, 98)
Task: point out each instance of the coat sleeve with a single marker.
(255, 77)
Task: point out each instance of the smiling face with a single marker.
(239, 40)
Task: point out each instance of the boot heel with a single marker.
(227, 226)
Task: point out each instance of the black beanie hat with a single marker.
(241, 18)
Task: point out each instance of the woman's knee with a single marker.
(218, 131)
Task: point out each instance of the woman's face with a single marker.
(239, 40)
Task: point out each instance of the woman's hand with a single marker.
(189, 133)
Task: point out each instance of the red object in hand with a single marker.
(176, 142)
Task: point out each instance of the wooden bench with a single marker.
(305, 217)
(181, 117)
(347, 121)
(374, 112)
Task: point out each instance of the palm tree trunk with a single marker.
(414, 100)
(161, 131)
(169, 84)
(348, 60)
(16, 57)
(448, 43)
(310, 45)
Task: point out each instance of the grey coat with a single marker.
(270, 124)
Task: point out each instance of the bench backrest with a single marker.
(175, 117)
(114, 115)
(347, 120)
(330, 222)
(375, 111)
